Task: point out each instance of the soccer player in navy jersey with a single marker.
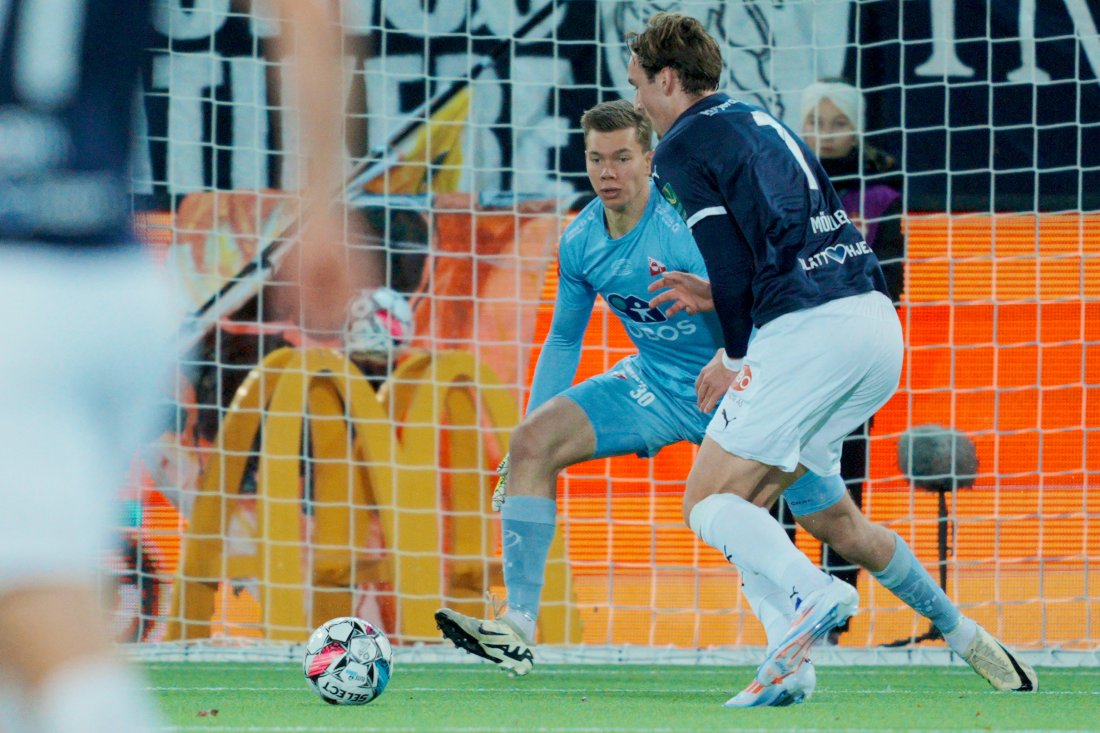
(618, 245)
(782, 258)
(87, 334)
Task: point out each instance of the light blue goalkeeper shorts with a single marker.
(632, 414)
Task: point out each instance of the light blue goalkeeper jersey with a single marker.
(671, 351)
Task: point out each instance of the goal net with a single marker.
(302, 478)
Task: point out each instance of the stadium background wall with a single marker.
(953, 93)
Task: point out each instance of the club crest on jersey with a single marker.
(656, 267)
(635, 308)
(742, 381)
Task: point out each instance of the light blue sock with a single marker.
(907, 579)
(527, 524)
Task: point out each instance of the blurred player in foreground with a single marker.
(666, 392)
(87, 334)
(782, 256)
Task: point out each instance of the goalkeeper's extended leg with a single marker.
(556, 435)
(906, 578)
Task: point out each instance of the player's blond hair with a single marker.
(679, 42)
(618, 115)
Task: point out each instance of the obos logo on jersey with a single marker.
(643, 322)
(635, 308)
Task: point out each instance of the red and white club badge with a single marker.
(743, 379)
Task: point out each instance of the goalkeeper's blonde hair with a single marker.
(617, 115)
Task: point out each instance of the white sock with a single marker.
(751, 539)
(771, 604)
(959, 638)
(521, 621)
(96, 696)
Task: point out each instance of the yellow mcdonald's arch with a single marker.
(371, 452)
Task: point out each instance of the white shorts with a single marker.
(86, 347)
(810, 378)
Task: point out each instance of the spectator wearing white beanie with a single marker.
(832, 118)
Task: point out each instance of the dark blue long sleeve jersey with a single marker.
(771, 229)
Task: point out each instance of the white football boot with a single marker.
(818, 613)
(998, 665)
(496, 640)
(791, 690)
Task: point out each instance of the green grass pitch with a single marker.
(629, 698)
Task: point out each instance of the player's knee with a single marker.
(538, 446)
(694, 492)
(846, 543)
(528, 446)
(850, 533)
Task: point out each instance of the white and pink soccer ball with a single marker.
(348, 661)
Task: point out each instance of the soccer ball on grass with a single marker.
(348, 661)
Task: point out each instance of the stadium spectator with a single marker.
(619, 243)
(88, 330)
(784, 259)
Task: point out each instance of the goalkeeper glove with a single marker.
(500, 493)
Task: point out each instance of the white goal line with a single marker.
(420, 653)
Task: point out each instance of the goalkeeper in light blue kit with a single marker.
(619, 245)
